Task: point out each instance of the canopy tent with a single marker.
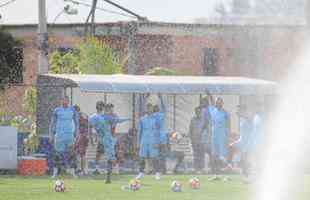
(164, 84)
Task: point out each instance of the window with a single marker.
(210, 61)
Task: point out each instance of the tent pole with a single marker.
(174, 112)
(105, 98)
(133, 111)
(71, 95)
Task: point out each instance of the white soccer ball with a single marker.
(194, 183)
(176, 136)
(134, 185)
(176, 186)
(59, 186)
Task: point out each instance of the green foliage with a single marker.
(30, 105)
(30, 101)
(160, 71)
(91, 57)
(98, 58)
(64, 64)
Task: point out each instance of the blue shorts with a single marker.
(64, 142)
(218, 149)
(149, 151)
(109, 147)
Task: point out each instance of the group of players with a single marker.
(210, 134)
(71, 131)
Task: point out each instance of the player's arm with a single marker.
(144, 98)
(228, 125)
(90, 129)
(76, 118)
(139, 133)
(118, 120)
(190, 130)
(162, 104)
(211, 98)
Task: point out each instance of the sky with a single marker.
(182, 11)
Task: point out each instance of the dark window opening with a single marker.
(210, 61)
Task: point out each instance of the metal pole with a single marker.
(126, 10)
(71, 95)
(93, 25)
(105, 97)
(133, 111)
(42, 39)
(132, 29)
(174, 112)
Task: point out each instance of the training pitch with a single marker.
(94, 188)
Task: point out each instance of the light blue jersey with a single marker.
(103, 125)
(98, 121)
(245, 140)
(160, 116)
(219, 137)
(257, 132)
(65, 122)
(147, 137)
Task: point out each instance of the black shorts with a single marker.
(64, 159)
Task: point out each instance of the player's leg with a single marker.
(82, 153)
(162, 160)
(143, 151)
(154, 156)
(100, 151)
(201, 156)
(179, 158)
(109, 147)
(69, 155)
(59, 147)
(56, 164)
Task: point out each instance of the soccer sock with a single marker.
(55, 171)
(155, 163)
(109, 171)
(142, 166)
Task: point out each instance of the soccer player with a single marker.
(110, 139)
(257, 138)
(147, 140)
(96, 122)
(64, 127)
(169, 153)
(161, 133)
(220, 123)
(102, 122)
(243, 144)
(81, 142)
(196, 131)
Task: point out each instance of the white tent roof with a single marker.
(167, 84)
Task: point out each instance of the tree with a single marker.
(67, 63)
(11, 59)
(90, 57)
(30, 106)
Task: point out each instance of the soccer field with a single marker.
(26, 188)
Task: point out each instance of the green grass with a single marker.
(29, 188)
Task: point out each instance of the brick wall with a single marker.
(253, 51)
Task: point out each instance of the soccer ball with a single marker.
(175, 136)
(176, 186)
(194, 183)
(134, 185)
(59, 186)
